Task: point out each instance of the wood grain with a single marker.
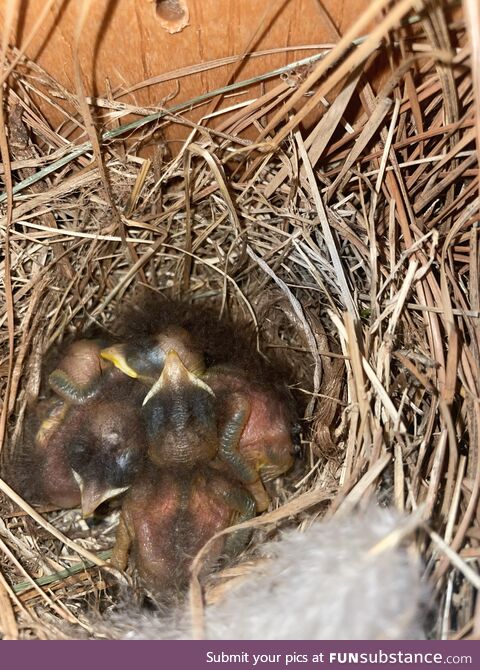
(124, 41)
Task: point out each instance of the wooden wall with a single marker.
(125, 41)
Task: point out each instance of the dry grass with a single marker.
(363, 226)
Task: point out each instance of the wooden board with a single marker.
(124, 42)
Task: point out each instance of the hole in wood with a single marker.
(173, 14)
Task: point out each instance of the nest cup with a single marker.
(346, 242)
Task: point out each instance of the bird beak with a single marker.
(94, 495)
(116, 355)
(174, 377)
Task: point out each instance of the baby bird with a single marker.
(104, 441)
(178, 502)
(240, 425)
(180, 417)
(40, 469)
(255, 425)
(169, 515)
(84, 445)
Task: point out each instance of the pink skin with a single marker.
(81, 362)
(265, 441)
(167, 518)
(255, 424)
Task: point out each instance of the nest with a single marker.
(350, 245)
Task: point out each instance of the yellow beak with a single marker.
(116, 355)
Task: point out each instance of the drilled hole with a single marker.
(171, 10)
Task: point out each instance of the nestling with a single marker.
(84, 445)
(178, 502)
(105, 444)
(255, 428)
(169, 514)
(180, 417)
